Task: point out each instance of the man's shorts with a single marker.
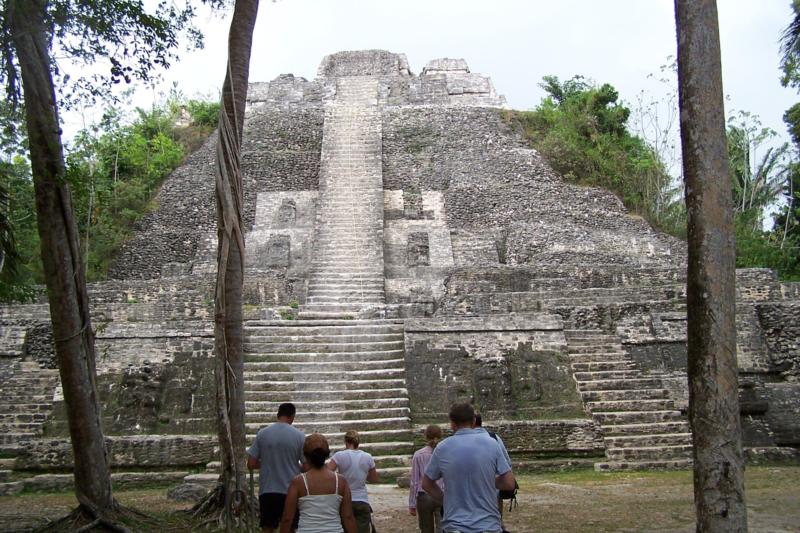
(271, 506)
(362, 512)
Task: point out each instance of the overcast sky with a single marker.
(515, 42)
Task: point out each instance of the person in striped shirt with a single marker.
(420, 504)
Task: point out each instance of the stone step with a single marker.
(354, 297)
(631, 405)
(328, 385)
(603, 375)
(654, 453)
(598, 357)
(330, 338)
(655, 428)
(628, 394)
(621, 466)
(648, 440)
(21, 416)
(594, 348)
(341, 426)
(307, 408)
(602, 366)
(342, 328)
(322, 287)
(12, 426)
(608, 418)
(339, 416)
(317, 315)
(323, 323)
(17, 407)
(324, 395)
(619, 384)
(15, 437)
(316, 310)
(322, 358)
(342, 277)
(310, 376)
(338, 367)
(318, 347)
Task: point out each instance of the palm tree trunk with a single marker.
(713, 379)
(61, 257)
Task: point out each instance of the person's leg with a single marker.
(438, 514)
(363, 515)
(425, 513)
(271, 507)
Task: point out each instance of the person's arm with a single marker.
(372, 475)
(504, 449)
(253, 463)
(290, 507)
(505, 481)
(433, 490)
(346, 508)
(332, 465)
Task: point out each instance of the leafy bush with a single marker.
(581, 130)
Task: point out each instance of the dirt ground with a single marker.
(572, 502)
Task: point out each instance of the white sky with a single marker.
(516, 42)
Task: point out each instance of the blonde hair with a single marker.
(433, 434)
(351, 437)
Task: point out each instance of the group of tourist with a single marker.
(454, 483)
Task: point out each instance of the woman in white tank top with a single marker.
(321, 496)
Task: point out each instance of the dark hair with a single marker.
(478, 420)
(433, 434)
(316, 450)
(462, 414)
(286, 409)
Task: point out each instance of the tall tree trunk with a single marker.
(61, 257)
(228, 336)
(713, 381)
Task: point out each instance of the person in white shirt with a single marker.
(358, 468)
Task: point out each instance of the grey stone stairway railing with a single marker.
(641, 427)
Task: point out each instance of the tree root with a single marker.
(83, 519)
(217, 512)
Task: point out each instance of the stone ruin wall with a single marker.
(477, 226)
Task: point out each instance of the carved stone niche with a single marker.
(278, 251)
(412, 205)
(418, 250)
(287, 213)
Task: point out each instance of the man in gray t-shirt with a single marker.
(473, 468)
(278, 454)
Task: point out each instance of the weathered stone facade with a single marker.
(457, 264)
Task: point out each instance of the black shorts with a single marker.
(271, 507)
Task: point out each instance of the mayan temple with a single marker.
(405, 249)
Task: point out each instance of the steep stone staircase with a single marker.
(641, 427)
(347, 270)
(26, 401)
(340, 371)
(341, 375)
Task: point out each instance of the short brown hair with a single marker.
(433, 434)
(351, 437)
(462, 413)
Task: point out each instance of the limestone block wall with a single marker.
(511, 367)
(154, 451)
(503, 201)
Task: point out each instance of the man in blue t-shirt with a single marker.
(278, 455)
(473, 467)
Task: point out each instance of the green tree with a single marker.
(131, 41)
(581, 129)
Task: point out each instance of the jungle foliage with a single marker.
(114, 169)
(584, 132)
